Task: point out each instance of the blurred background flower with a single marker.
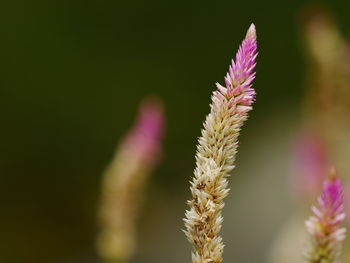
(326, 234)
(72, 75)
(324, 127)
(124, 183)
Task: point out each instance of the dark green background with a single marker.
(71, 76)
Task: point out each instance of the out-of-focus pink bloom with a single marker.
(239, 78)
(310, 164)
(144, 138)
(123, 182)
(324, 226)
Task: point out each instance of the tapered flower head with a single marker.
(239, 78)
(324, 227)
(216, 153)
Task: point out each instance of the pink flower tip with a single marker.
(238, 80)
(150, 122)
(324, 226)
(330, 213)
(145, 137)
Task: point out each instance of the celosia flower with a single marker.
(124, 180)
(324, 227)
(216, 153)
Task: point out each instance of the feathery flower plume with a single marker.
(326, 234)
(124, 180)
(216, 153)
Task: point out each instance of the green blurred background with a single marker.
(72, 76)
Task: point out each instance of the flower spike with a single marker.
(216, 154)
(326, 234)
